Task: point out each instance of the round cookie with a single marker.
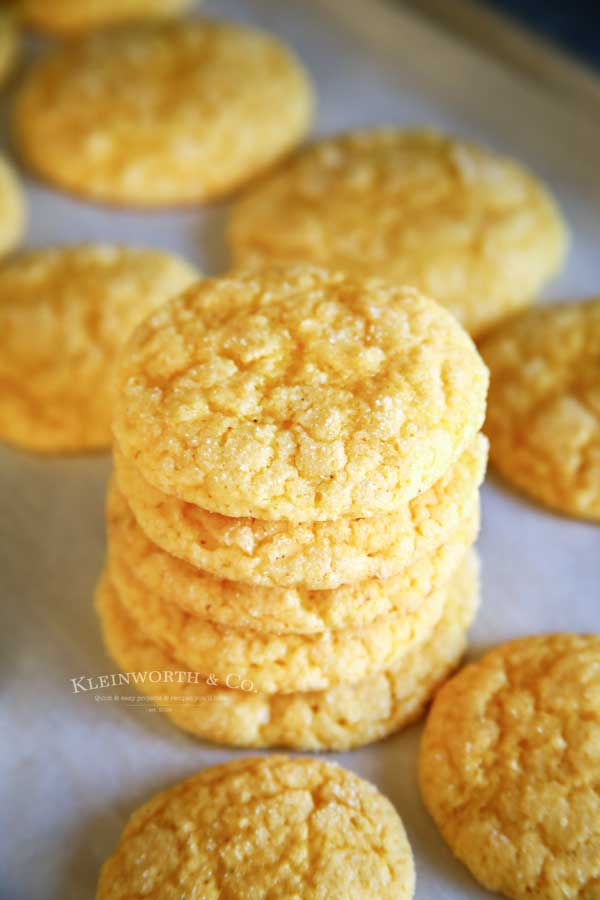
(9, 44)
(278, 663)
(472, 229)
(171, 113)
(544, 406)
(269, 609)
(341, 718)
(68, 17)
(263, 827)
(12, 208)
(316, 555)
(298, 394)
(64, 314)
(510, 767)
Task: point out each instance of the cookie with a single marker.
(263, 827)
(544, 411)
(64, 314)
(298, 394)
(341, 718)
(269, 609)
(68, 17)
(315, 555)
(510, 767)
(166, 114)
(9, 44)
(474, 230)
(12, 208)
(277, 662)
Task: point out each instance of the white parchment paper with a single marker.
(73, 768)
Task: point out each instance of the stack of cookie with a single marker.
(297, 465)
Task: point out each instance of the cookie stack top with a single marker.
(298, 394)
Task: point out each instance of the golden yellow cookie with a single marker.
(263, 827)
(9, 44)
(510, 767)
(66, 17)
(298, 394)
(544, 411)
(270, 609)
(276, 663)
(12, 209)
(64, 314)
(170, 113)
(472, 229)
(315, 555)
(341, 718)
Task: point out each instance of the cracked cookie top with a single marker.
(296, 393)
(472, 229)
(510, 767)
(161, 114)
(65, 312)
(263, 826)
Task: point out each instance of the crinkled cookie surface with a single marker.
(510, 767)
(544, 406)
(298, 394)
(263, 827)
(64, 315)
(476, 231)
(164, 114)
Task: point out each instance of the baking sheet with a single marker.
(73, 767)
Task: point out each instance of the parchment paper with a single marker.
(74, 768)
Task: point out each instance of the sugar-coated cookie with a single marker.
(64, 314)
(544, 407)
(474, 230)
(296, 393)
(263, 827)
(164, 114)
(510, 767)
(67, 17)
(314, 555)
(341, 718)
(272, 609)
